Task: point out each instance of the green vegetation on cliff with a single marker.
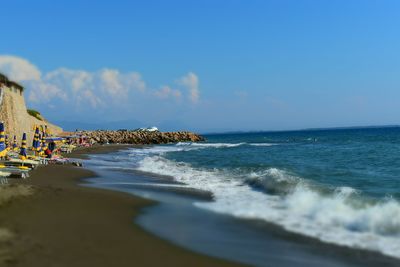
(35, 113)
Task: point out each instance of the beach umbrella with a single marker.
(22, 152)
(44, 144)
(36, 142)
(6, 141)
(40, 144)
(42, 130)
(15, 142)
(2, 138)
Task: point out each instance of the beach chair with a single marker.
(27, 163)
(14, 171)
(4, 177)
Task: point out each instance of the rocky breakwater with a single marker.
(141, 138)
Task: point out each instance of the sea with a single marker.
(308, 198)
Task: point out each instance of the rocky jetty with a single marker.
(137, 137)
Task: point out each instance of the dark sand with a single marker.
(63, 224)
(82, 152)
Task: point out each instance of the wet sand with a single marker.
(63, 224)
(82, 152)
(254, 242)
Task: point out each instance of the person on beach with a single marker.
(52, 146)
(48, 153)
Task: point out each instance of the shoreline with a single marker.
(71, 188)
(65, 224)
(84, 152)
(276, 236)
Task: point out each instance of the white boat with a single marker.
(152, 129)
(149, 129)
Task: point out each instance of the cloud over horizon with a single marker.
(93, 90)
(191, 82)
(19, 69)
(166, 92)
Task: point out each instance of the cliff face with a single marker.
(14, 114)
(134, 137)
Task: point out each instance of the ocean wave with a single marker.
(338, 216)
(273, 180)
(155, 185)
(206, 145)
(219, 145)
(152, 150)
(262, 144)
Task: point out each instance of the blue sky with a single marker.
(207, 65)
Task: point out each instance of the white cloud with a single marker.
(134, 80)
(75, 79)
(191, 82)
(80, 79)
(19, 69)
(110, 82)
(95, 88)
(41, 92)
(166, 92)
(75, 84)
(88, 96)
(103, 89)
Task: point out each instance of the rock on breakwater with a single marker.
(136, 137)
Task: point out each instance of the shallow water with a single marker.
(253, 242)
(339, 187)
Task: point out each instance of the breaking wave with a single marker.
(262, 144)
(219, 145)
(335, 215)
(205, 145)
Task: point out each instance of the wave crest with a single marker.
(220, 145)
(338, 216)
(206, 145)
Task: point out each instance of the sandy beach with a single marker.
(63, 224)
(200, 133)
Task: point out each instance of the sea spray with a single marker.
(341, 187)
(335, 217)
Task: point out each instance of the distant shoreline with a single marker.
(305, 129)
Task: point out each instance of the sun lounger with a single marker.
(32, 164)
(58, 160)
(67, 148)
(15, 172)
(39, 159)
(4, 174)
(4, 177)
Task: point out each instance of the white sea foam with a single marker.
(208, 145)
(262, 144)
(155, 185)
(219, 145)
(334, 217)
(154, 150)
